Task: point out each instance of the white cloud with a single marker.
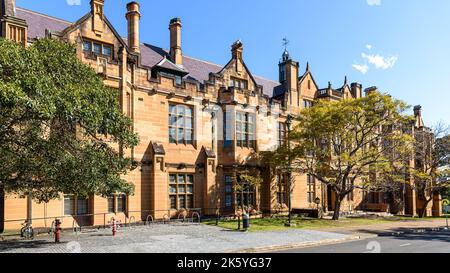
(380, 62)
(363, 68)
(369, 47)
(374, 2)
(73, 2)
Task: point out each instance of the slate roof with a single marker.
(38, 23)
(151, 55)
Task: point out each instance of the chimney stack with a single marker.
(97, 15)
(418, 115)
(133, 17)
(356, 90)
(175, 41)
(8, 8)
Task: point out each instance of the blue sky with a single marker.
(401, 46)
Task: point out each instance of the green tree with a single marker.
(61, 129)
(343, 144)
(432, 156)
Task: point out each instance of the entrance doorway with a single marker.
(330, 198)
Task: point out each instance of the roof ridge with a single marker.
(45, 15)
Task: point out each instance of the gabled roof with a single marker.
(150, 55)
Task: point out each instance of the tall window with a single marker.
(181, 130)
(245, 194)
(281, 133)
(181, 191)
(282, 186)
(245, 130)
(228, 191)
(122, 203)
(311, 186)
(82, 206)
(111, 207)
(75, 205)
(69, 204)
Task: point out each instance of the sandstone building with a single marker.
(199, 124)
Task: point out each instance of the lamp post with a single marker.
(289, 127)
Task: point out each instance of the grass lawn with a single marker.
(271, 224)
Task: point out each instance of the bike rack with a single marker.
(132, 220)
(146, 220)
(182, 216)
(198, 217)
(75, 226)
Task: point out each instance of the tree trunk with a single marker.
(423, 211)
(337, 207)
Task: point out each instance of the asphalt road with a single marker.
(426, 242)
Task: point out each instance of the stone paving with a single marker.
(173, 238)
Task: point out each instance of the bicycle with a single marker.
(27, 231)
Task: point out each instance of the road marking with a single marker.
(405, 245)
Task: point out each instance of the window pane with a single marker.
(173, 202)
(190, 179)
(87, 46)
(111, 204)
(189, 202)
(121, 203)
(180, 121)
(107, 51)
(181, 110)
(188, 122)
(173, 189)
(180, 137)
(98, 49)
(181, 179)
(172, 120)
(172, 135)
(190, 189)
(172, 179)
(172, 109)
(189, 111)
(182, 202)
(181, 189)
(189, 137)
(228, 201)
(69, 205)
(82, 206)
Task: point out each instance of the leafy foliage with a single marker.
(342, 143)
(52, 108)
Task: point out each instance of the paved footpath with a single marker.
(174, 238)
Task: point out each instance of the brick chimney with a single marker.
(418, 116)
(237, 49)
(8, 8)
(356, 90)
(175, 41)
(133, 17)
(97, 15)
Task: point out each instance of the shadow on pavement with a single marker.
(16, 244)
